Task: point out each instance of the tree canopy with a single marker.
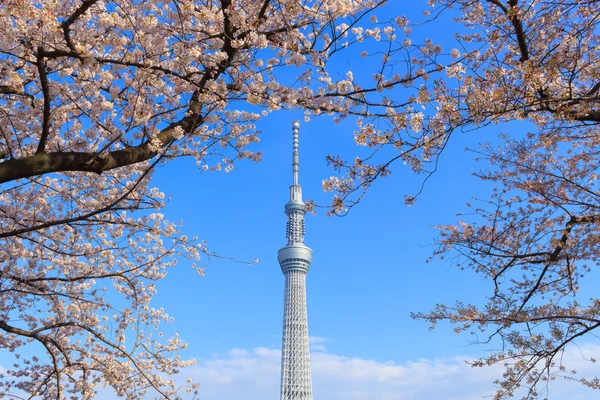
(94, 94)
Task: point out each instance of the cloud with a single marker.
(254, 375)
(316, 343)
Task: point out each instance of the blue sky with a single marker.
(368, 273)
(369, 269)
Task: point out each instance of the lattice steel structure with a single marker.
(295, 259)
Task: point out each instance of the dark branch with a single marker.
(511, 14)
(43, 163)
(41, 66)
(66, 25)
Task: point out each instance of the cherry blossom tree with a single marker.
(536, 237)
(93, 95)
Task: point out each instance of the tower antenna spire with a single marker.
(296, 157)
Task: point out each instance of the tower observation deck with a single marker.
(295, 259)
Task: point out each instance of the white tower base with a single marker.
(296, 381)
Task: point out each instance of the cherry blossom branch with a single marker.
(4, 89)
(43, 163)
(111, 206)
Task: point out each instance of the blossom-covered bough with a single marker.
(537, 237)
(93, 95)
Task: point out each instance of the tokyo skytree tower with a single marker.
(295, 259)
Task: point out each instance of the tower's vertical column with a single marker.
(295, 259)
